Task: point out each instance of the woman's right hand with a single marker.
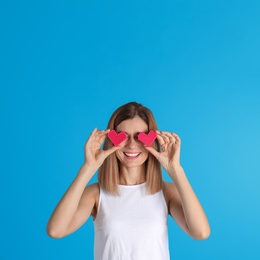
(94, 156)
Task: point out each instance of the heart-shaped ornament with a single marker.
(116, 138)
(147, 139)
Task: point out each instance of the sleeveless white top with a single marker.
(131, 226)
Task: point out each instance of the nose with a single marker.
(132, 142)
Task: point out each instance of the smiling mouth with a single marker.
(132, 155)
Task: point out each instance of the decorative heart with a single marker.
(116, 138)
(147, 139)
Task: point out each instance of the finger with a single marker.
(93, 133)
(102, 135)
(91, 136)
(155, 153)
(166, 138)
(165, 146)
(159, 137)
(175, 135)
(170, 137)
(96, 138)
(101, 132)
(178, 140)
(98, 135)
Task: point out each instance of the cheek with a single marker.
(146, 155)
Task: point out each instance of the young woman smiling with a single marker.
(131, 202)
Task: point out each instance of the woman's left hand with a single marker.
(169, 156)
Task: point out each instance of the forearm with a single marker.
(67, 206)
(195, 216)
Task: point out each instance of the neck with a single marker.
(132, 176)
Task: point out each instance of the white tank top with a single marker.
(132, 226)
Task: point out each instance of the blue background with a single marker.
(67, 65)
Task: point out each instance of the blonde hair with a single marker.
(108, 174)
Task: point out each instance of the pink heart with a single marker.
(116, 138)
(147, 139)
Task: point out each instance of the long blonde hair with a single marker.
(108, 174)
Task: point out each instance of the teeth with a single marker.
(132, 154)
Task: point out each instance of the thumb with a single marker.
(111, 150)
(155, 153)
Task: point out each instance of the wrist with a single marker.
(175, 169)
(88, 168)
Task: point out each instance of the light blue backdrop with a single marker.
(65, 67)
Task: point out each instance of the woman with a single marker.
(131, 202)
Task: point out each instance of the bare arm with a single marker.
(185, 207)
(78, 202)
(183, 203)
(59, 223)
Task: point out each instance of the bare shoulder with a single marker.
(91, 191)
(169, 187)
(94, 187)
(90, 195)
